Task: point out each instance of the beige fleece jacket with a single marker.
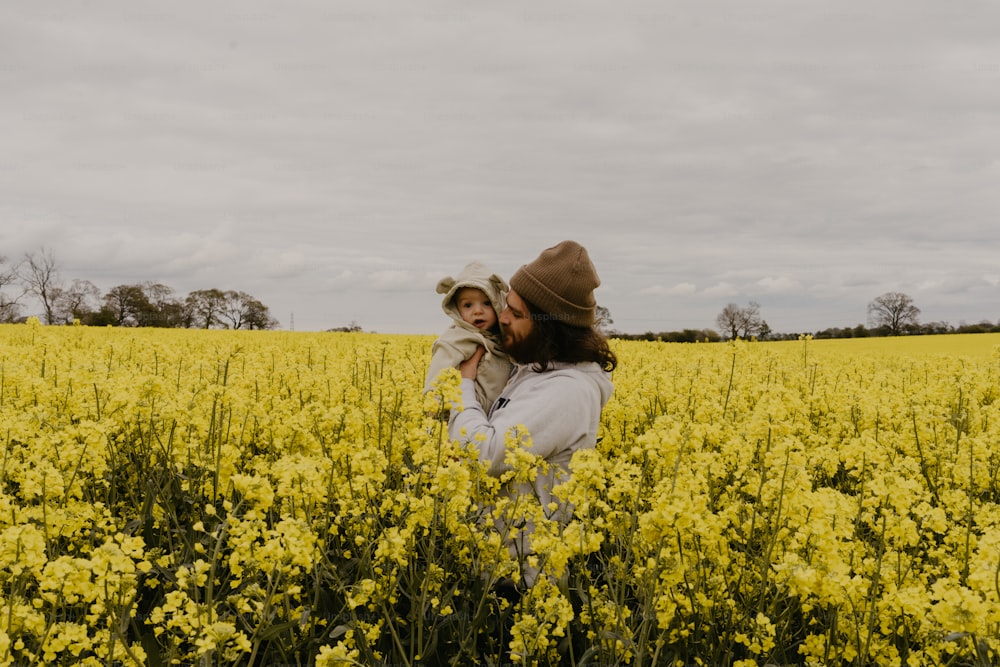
(459, 341)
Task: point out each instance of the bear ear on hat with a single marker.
(499, 283)
(445, 284)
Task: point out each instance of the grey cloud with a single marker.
(809, 156)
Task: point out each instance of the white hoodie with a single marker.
(560, 408)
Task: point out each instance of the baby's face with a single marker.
(475, 308)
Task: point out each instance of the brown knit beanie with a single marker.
(561, 282)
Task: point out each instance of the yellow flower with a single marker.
(337, 656)
(222, 638)
(446, 392)
(22, 548)
(957, 608)
(255, 490)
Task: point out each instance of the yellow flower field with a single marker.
(176, 497)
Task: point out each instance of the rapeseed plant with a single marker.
(251, 498)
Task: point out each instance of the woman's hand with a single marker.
(469, 367)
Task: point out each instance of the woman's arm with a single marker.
(555, 409)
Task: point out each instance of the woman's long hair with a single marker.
(555, 340)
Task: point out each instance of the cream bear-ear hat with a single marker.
(475, 274)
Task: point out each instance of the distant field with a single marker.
(971, 345)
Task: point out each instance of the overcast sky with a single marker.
(335, 159)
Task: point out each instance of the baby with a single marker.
(474, 301)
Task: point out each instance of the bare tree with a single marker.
(728, 321)
(737, 322)
(602, 320)
(166, 310)
(40, 276)
(158, 293)
(78, 301)
(243, 311)
(894, 311)
(10, 309)
(234, 308)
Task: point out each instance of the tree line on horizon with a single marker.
(889, 314)
(148, 304)
(152, 304)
